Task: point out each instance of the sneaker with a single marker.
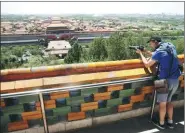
(156, 123)
(170, 125)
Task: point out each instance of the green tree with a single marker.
(74, 54)
(97, 50)
(115, 47)
(34, 61)
(179, 44)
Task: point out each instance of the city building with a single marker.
(57, 29)
(58, 47)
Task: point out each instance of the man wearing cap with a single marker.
(168, 69)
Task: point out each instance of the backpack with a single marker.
(171, 50)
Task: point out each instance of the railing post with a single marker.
(43, 113)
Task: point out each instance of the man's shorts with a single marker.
(173, 86)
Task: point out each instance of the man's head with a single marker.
(154, 41)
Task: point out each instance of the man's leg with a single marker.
(173, 86)
(162, 100)
(170, 111)
(162, 112)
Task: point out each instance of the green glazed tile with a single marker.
(126, 93)
(75, 100)
(13, 109)
(89, 91)
(114, 102)
(102, 111)
(61, 110)
(27, 99)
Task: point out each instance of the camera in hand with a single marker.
(137, 47)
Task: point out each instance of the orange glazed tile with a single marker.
(76, 116)
(19, 84)
(32, 117)
(18, 71)
(100, 64)
(99, 96)
(137, 98)
(7, 87)
(17, 126)
(114, 87)
(42, 69)
(49, 102)
(32, 83)
(56, 80)
(136, 76)
(24, 114)
(50, 106)
(125, 107)
(89, 106)
(59, 67)
(72, 114)
(102, 98)
(82, 78)
(147, 89)
(102, 94)
(38, 108)
(38, 69)
(4, 72)
(59, 93)
(59, 96)
(91, 65)
(76, 78)
(28, 84)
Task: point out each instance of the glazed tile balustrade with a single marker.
(24, 114)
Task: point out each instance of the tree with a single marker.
(97, 50)
(115, 47)
(34, 61)
(179, 44)
(74, 54)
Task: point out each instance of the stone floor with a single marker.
(136, 125)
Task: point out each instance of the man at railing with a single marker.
(165, 56)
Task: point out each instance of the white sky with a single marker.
(92, 7)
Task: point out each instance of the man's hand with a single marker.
(146, 62)
(138, 51)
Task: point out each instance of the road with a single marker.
(136, 125)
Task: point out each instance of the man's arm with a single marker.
(147, 63)
(148, 53)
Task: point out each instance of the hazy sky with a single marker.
(92, 7)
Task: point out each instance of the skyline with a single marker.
(54, 8)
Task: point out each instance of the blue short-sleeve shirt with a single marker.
(165, 61)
